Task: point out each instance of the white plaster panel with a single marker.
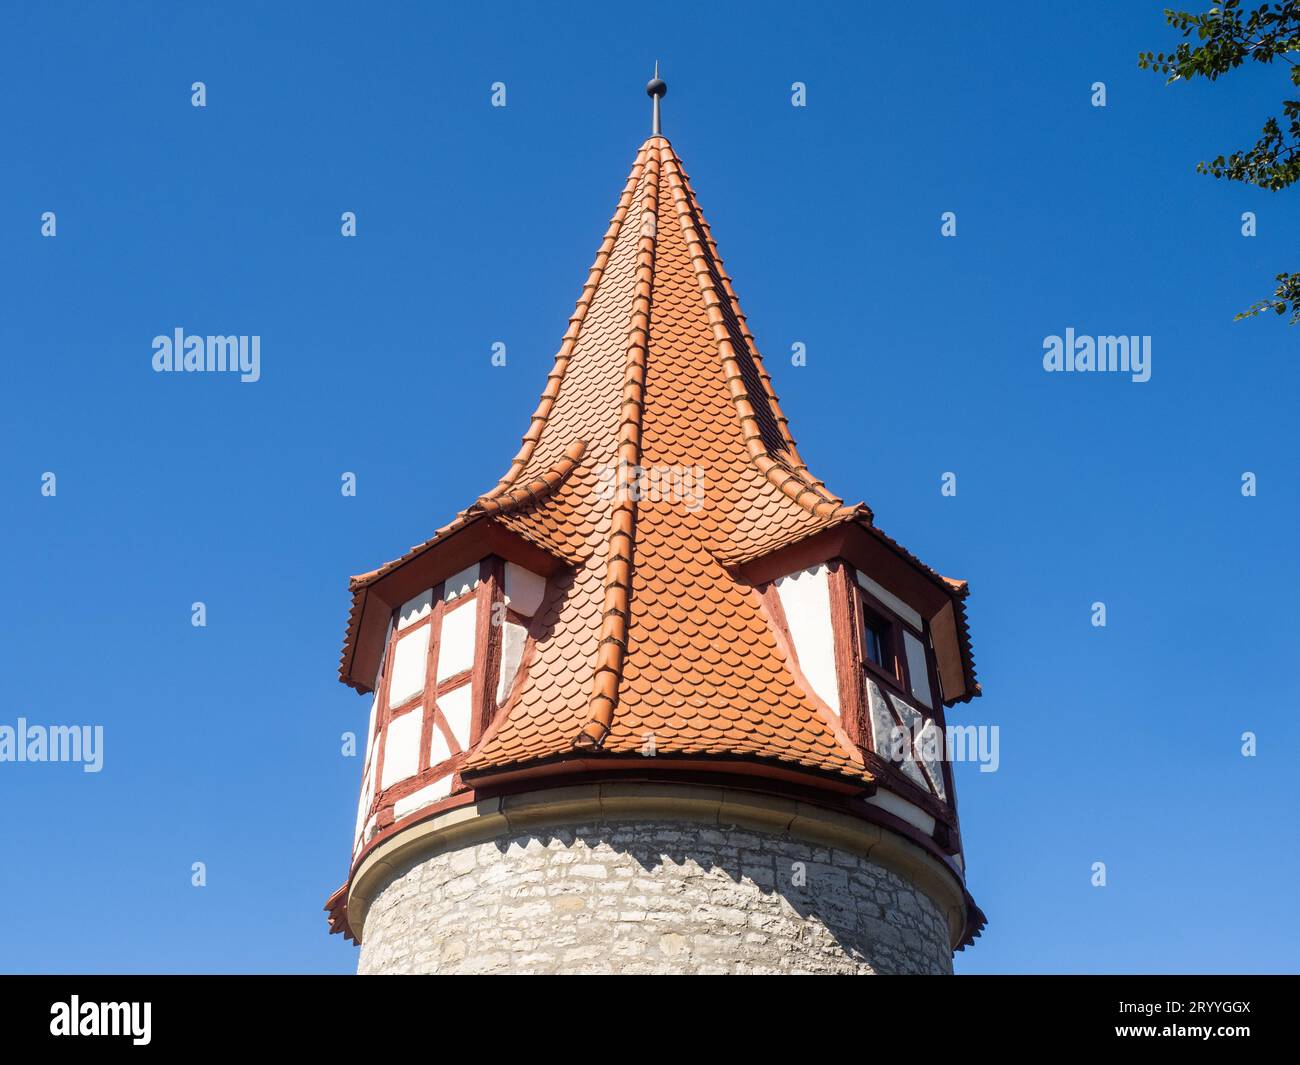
(456, 641)
(361, 812)
(890, 600)
(367, 797)
(426, 796)
(917, 669)
(370, 729)
(513, 638)
(460, 583)
(912, 771)
(409, 665)
(363, 803)
(929, 748)
(414, 609)
(912, 717)
(402, 748)
(455, 707)
(902, 809)
(806, 600)
(913, 722)
(383, 657)
(524, 589)
(368, 772)
(882, 721)
(438, 749)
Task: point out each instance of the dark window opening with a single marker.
(873, 642)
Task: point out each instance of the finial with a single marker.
(656, 87)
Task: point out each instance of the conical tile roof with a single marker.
(658, 460)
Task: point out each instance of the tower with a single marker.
(659, 701)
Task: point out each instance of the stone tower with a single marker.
(659, 701)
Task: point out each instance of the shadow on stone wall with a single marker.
(669, 896)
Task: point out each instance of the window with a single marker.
(873, 642)
(431, 717)
(893, 649)
(446, 669)
(892, 652)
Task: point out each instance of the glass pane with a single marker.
(917, 669)
(873, 644)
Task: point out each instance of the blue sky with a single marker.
(476, 225)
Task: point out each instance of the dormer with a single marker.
(445, 658)
(880, 640)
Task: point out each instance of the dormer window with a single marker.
(451, 658)
(893, 693)
(893, 644)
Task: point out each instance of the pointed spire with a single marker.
(656, 88)
(657, 370)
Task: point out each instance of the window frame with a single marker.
(865, 607)
(862, 601)
(480, 677)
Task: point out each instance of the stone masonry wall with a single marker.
(652, 897)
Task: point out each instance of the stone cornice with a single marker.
(509, 815)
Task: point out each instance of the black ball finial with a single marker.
(656, 87)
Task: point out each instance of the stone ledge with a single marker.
(491, 819)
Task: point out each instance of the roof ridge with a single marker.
(790, 476)
(612, 647)
(742, 322)
(504, 500)
(570, 341)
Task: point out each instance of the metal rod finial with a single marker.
(656, 88)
